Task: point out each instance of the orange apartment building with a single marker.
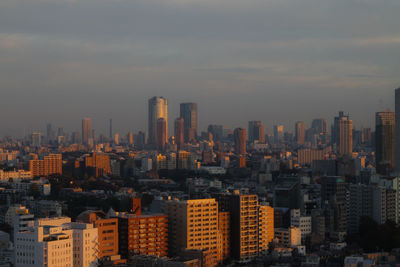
(143, 234)
(193, 226)
(224, 220)
(50, 165)
(107, 231)
(266, 228)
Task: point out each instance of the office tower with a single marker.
(188, 111)
(50, 165)
(116, 139)
(287, 193)
(334, 199)
(216, 131)
(397, 131)
(130, 139)
(107, 229)
(158, 108)
(140, 140)
(161, 134)
(143, 234)
(345, 136)
(384, 141)
(36, 139)
(278, 134)
(243, 209)
(193, 225)
(256, 131)
(49, 133)
(319, 126)
(110, 130)
(179, 132)
(300, 132)
(86, 131)
(240, 141)
(76, 138)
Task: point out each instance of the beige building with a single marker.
(345, 136)
(193, 225)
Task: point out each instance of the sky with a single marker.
(278, 61)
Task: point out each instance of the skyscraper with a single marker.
(188, 111)
(86, 131)
(278, 134)
(161, 134)
(345, 136)
(256, 131)
(240, 141)
(335, 128)
(384, 141)
(179, 131)
(397, 131)
(300, 131)
(130, 138)
(158, 108)
(319, 126)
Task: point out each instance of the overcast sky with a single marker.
(278, 61)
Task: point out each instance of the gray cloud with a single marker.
(273, 60)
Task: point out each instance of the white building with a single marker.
(85, 245)
(302, 222)
(44, 245)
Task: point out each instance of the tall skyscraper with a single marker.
(158, 108)
(86, 131)
(345, 136)
(319, 126)
(161, 134)
(188, 111)
(36, 139)
(335, 128)
(384, 141)
(256, 131)
(278, 134)
(130, 138)
(179, 132)
(397, 130)
(300, 131)
(240, 141)
(49, 133)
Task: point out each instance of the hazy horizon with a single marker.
(278, 61)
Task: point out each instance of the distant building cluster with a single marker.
(250, 196)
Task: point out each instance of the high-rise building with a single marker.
(345, 136)
(384, 141)
(161, 134)
(179, 132)
(188, 111)
(397, 131)
(143, 234)
(193, 225)
(256, 131)
(217, 131)
(278, 134)
(50, 165)
(243, 209)
(240, 141)
(116, 139)
(130, 139)
(86, 131)
(265, 226)
(158, 108)
(300, 132)
(319, 126)
(95, 165)
(49, 133)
